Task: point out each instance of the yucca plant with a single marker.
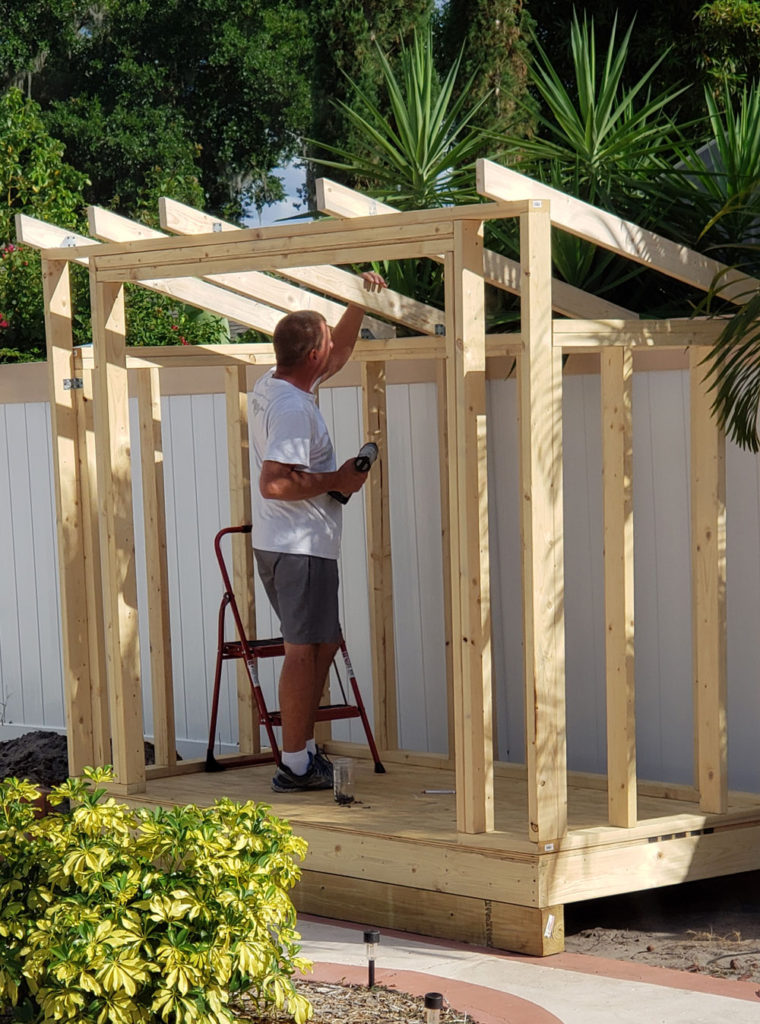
(602, 136)
(420, 153)
(723, 182)
(714, 199)
(599, 140)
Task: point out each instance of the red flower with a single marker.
(184, 341)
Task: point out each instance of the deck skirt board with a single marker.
(395, 856)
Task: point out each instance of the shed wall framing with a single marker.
(234, 264)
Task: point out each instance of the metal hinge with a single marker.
(72, 383)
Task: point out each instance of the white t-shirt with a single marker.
(288, 427)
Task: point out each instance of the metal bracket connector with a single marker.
(73, 383)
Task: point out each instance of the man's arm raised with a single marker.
(346, 331)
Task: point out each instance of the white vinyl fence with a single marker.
(31, 690)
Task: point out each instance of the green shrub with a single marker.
(114, 915)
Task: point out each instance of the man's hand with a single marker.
(373, 282)
(350, 479)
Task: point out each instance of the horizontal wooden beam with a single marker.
(128, 267)
(40, 235)
(318, 235)
(592, 335)
(339, 284)
(111, 227)
(618, 235)
(339, 201)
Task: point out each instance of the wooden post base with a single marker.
(537, 931)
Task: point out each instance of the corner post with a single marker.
(117, 542)
(65, 415)
(468, 512)
(542, 529)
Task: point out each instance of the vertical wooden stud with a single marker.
(379, 569)
(468, 512)
(117, 543)
(540, 391)
(708, 562)
(617, 479)
(441, 367)
(65, 413)
(101, 717)
(154, 517)
(236, 394)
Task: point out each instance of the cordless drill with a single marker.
(362, 462)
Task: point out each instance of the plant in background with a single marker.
(602, 140)
(420, 154)
(109, 914)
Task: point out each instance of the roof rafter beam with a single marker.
(499, 271)
(340, 284)
(618, 235)
(112, 227)
(38, 234)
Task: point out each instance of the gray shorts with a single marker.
(303, 590)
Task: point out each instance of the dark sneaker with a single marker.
(318, 776)
(322, 759)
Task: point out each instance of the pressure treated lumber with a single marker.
(498, 270)
(379, 562)
(533, 931)
(156, 566)
(540, 396)
(396, 236)
(347, 287)
(617, 491)
(253, 285)
(101, 718)
(65, 410)
(468, 516)
(708, 573)
(239, 468)
(593, 335)
(617, 235)
(117, 545)
(40, 235)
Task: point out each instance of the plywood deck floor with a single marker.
(396, 850)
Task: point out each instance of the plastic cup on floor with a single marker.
(343, 780)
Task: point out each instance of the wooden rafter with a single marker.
(340, 284)
(498, 270)
(618, 235)
(111, 227)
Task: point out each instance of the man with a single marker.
(297, 525)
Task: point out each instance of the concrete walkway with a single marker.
(503, 988)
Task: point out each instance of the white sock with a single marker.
(296, 760)
(311, 746)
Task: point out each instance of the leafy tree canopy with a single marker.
(203, 98)
(491, 38)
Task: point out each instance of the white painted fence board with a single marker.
(661, 516)
(506, 569)
(743, 614)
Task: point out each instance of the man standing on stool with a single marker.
(297, 525)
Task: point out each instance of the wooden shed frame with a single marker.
(515, 885)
